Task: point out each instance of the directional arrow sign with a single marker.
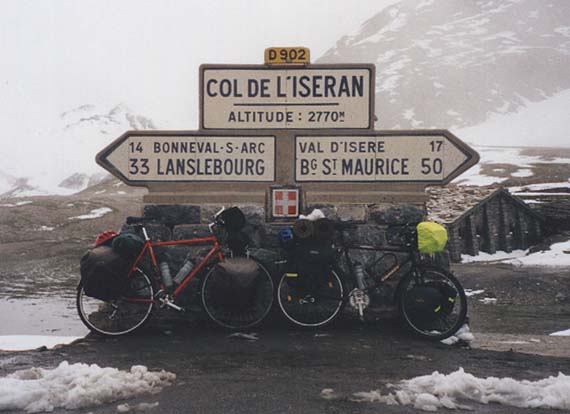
(434, 157)
(140, 157)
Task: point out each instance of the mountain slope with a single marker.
(450, 64)
(65, 162)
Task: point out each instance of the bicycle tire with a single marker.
(245, 315)
(435, 320)
(308, 308)
(121, 316)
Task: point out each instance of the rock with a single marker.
(396, 214)
(172, 215)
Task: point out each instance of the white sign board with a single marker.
(192, 158)
(378, 158)
(286, 98)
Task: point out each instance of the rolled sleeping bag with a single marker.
(303, 229)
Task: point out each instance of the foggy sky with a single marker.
(57, 55)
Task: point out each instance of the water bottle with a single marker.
(359, 276)
(184, 270)
(166, 276)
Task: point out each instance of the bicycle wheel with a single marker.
(232, 306)
(119, 316)
(432, 303)
(312, 304)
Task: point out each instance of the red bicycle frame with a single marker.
(148, 247)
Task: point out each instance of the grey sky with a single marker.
(58, 54)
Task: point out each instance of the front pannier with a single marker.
(104, 273)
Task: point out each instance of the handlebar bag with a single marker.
(233, 219)
(104, 273)
(432, 237)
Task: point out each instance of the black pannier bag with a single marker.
(104, 273)
(235, 282)
(312, 260)
(128, 245)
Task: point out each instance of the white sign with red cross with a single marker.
(285, 202)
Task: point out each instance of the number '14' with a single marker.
(136, 147)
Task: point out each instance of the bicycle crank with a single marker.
(166, 301)
(359, 300)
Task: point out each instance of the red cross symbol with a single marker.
(285, 202)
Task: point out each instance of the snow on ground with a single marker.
(471, 292)
(456, 390)
(535, 124)
(561, 333)
(16, 204)
(540, 187)
(93, 214)
(499, 256)
(77, 386)
(26, 342)
(504, 155)
(552, 258)
(463, 334)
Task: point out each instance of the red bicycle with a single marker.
(146, 288)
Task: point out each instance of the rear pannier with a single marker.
(104, 273)
(235, 281)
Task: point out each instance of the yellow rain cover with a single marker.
(432, 237)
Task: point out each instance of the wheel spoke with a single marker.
(120, 316)
(433, 303)
(311, 306)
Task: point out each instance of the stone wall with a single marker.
(178, 222)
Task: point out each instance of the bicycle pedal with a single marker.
(166, 302)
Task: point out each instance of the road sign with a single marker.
(153, 156)
(262, 97)
(287, 55)
(404, 156)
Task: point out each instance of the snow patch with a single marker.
(556, 256)
(535, 124)
(464, 334)
(471, 292)
(561, 333)
(93, 214)
(16, 204)
(27, 342)
(126, 408)
(434, 391)
(540, 187)
(496, 257)
(77, 386)
(523, 172)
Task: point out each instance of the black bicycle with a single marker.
(430, 300)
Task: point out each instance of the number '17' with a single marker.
(436, 145)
